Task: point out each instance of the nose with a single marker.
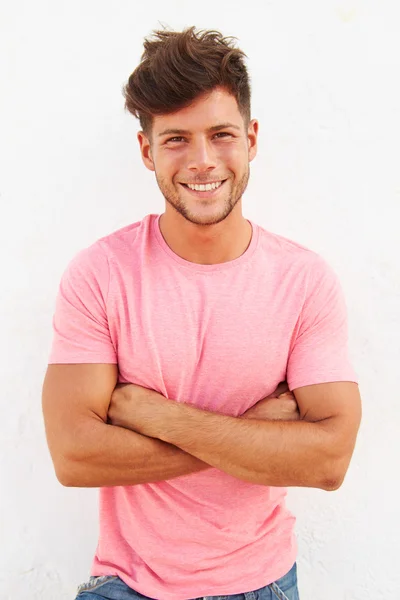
(202, 156)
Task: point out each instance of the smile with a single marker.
(204, 187)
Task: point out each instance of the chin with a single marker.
(210, 218)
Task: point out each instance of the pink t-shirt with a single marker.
(220, 337)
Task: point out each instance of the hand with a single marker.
(281, 405)
(132, 405)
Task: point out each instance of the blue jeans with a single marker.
(113, 588)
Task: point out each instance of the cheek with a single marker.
(174, 164)
(233, 154)
(168, 167)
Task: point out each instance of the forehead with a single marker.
(210, 109)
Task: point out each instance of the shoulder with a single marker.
(291, 254)
(95, 259)
(125, 239)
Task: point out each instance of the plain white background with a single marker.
(326, 92)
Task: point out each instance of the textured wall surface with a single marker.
(326, 92)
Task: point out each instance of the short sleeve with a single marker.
(319, 353)
(80, 325)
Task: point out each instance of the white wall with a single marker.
(326, 92)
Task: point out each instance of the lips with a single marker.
(202, 182)
(205, 194)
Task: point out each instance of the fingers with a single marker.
(289, 403)
(287, 395)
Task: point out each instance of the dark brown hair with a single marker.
(177, 67)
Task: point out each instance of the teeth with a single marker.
(205, 188)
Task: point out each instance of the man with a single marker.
(174, 338)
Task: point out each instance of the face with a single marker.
(201, 157)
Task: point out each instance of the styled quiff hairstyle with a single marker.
(178, 67)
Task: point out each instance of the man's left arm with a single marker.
(312, 452)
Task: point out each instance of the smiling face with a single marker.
(200, 155)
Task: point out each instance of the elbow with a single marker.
(67, 470)
(67, 477)
(331, 484)
(333, 475)
(71, 459)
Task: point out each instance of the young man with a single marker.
(171, 337)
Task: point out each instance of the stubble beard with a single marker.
(174, 199)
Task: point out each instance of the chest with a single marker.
(220, 344)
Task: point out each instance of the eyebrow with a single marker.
(209, 130)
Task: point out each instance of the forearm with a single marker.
(276, 453)
(105, 455)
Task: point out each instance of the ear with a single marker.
(145, 149)
(252, 139)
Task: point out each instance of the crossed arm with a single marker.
(313, 451)
(143, 437)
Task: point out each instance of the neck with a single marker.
(206, 244)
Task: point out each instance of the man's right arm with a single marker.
(85, 449)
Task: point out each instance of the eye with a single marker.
(174, 139)
(224, 133)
